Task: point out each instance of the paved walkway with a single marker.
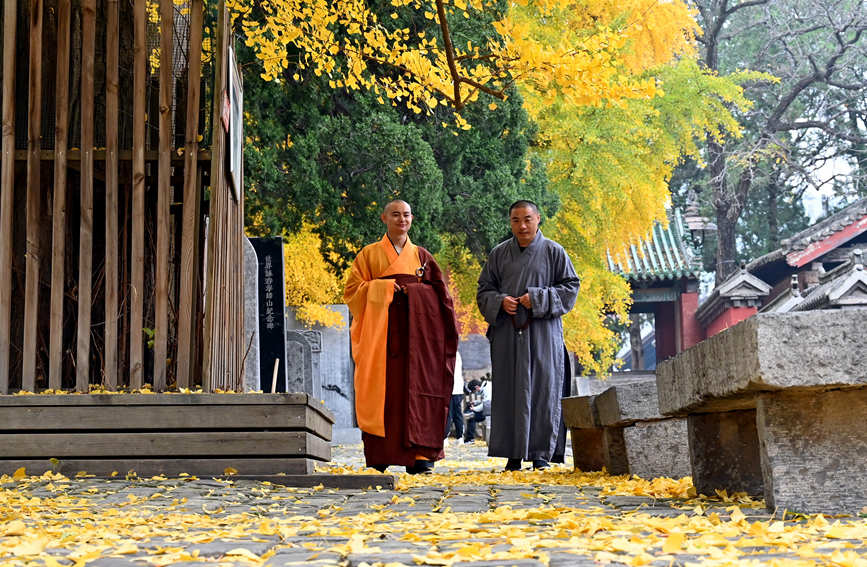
(471, 514)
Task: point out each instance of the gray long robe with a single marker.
(527, 368)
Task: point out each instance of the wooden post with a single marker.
(192, 205)
(34, 216)
(112, 49)
(161, 326)
(85, 263)
(217, 206)
(136, 317)
(58, 246)
(7, 187)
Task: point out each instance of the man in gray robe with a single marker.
(525, 288)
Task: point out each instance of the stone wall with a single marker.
(475, 356)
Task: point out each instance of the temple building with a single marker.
(821, 267)
(664, 274)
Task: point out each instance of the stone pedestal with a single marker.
(252, 372)
(593, 447)
(724, 452)
(814, 450)
(657, 448)
(654, 445)
(803, 374)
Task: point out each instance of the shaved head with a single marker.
(394, 202)
(522, 204)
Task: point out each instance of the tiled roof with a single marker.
(816, 233)
(666, 254)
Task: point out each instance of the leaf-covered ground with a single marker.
(469, 513)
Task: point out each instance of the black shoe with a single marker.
(380, 468)
(513, 465)
(421, 467)
(540, 464)
(469, 441)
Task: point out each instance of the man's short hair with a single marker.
(385, 208)
(523, 203)
(473, 383)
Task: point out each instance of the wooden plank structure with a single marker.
(102, 201)
(201, 434)
(104, 249)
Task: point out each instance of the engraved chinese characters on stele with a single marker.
(272, 313)
(269, 293)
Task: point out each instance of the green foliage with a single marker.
(332, 159)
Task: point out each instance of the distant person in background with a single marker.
(527, 285)
(479, 409)
(456, 405)
(404, 340)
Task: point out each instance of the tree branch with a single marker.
(450, 54)
(733, 9)
(824, 126)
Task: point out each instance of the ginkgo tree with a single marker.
(409, 52)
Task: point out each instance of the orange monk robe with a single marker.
(368, 298)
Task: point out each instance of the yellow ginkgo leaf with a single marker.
(673, 543)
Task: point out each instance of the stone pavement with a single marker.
(472, 514)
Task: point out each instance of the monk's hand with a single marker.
(397, 288)
(525, 301)
(510, 305)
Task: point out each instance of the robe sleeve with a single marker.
(361, 287)
(559, 298)
(488, 295)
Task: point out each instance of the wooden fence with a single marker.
(114, 268)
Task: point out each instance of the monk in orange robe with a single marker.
(404, 340)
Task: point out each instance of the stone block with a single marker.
(625, 404)
(814, 450)
(252, 371)
(813, 350)
(588, 452)
(614, 451)
(580, 412)
(658, 448)
(724, 452)
(336, 369)
(300, 376)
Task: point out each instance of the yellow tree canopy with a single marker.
(578, 51)
(311, 284)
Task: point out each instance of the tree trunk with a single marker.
(773, 217)
(635, 342)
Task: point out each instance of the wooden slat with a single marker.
(58, 247)
(7, 187)
(145, 468)
(136, 317)
(85, 257)
(161, 291)
(74, 155)
(34, 201)
(112, 50)
(212, 370)
(164, 399)
(192, 206)
(172, 418)
(158, 444)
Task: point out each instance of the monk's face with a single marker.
(525, 224)
(397, 218)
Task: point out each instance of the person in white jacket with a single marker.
(456, 411)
